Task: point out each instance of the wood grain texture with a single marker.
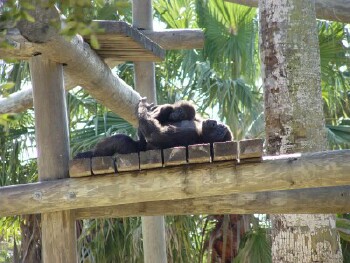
(103, 165)
(174, 156)
(199, 153)
(223, 151)
(127, 162)
(51, 133)
(289, 172)
(126, 43)
(85, 68)
(80, 167)
(153, 228)
(329, 200)
(251, 148)
(151, 159)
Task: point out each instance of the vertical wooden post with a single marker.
(51, 128)
(153, 227)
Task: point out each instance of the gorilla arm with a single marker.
(168, 135)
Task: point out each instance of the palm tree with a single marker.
(223, 81)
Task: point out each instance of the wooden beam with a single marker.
(84, 67)
(23, 49)
(287, 172)
(329, 200)
(51, 133)
(22, 100)
(334, 10)
(126, 43)
(174, 39)
(153, 227)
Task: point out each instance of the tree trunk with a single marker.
(294, 119)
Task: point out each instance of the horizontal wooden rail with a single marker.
(328, 200)
(312, 170)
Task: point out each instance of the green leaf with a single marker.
(7, 86)
(28, 17)
(94, 42)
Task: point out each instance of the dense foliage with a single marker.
(223, 80)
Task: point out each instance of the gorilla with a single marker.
(161, 127)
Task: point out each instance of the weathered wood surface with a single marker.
(174, 39)
(153, 227)
(199, 153)
(252, 148)
(224, 151)
(51, 133)
(127, 162)
(151, 159)
(174, 156)
(126, 43)
(80, 167)
(329, 200)
(23, 49)
(85, 68)
(334, 10)
(168, 39)
(321, 169)
(103, 165)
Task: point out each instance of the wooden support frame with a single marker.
(57, 227)
(301, 201)
(297, 171)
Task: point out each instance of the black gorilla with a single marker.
(180, 133)
(169, 113)
(161, 127)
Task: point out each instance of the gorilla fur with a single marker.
(163, 126)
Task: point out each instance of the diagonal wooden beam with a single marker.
(24, 49)
(323, 169)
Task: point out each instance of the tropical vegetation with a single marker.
(223, 80)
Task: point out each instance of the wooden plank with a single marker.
(127, 162)
(331, 200)
(103, 165)
(287, 172)
(113, 93)
(174, 156)
(80, 167)
(191, 181)
(151, 159)
(223, 151)
(51, 132)
(199, 153)
(126, 34)
(251, 148)
(153, 228)
(174, 39)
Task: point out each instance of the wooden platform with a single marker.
(119, 41)
(238, 152)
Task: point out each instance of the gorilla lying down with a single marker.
(163, 126)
